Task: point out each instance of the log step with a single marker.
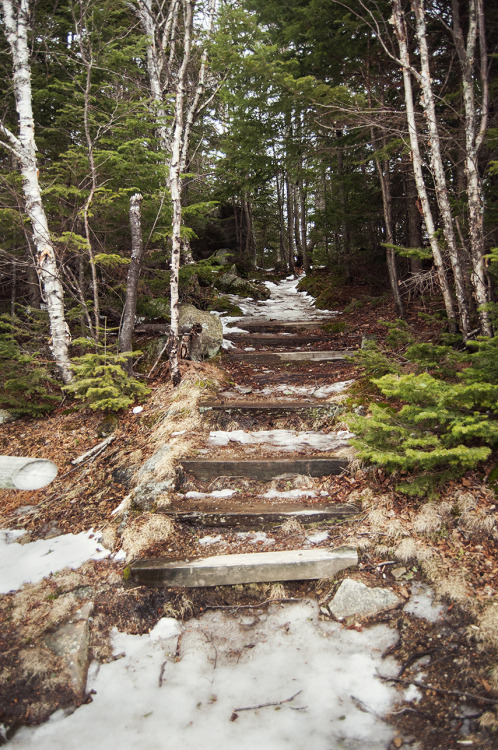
(266, 406)
(254, 567)
(267, 339)
(264, 470)
(256, 515)
(272, 357)
(256, 324)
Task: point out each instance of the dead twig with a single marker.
(248, 606)
(460, 693)
(95, 451)
(264, 705)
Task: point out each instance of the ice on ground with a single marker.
(152, 698)
(29, 563)
(286, 440)
(215, 494)
(206, 540)
(421, 604)
(289, 494)
(322, 391)
(317, 537)
(253, 537)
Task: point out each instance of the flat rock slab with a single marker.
(355, 599)
(272, 357)
(265, 406)
(70, 642)
(263, 470)
(254, 567)
(257, 515)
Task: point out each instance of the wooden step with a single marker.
(268, 339)
(255, 514)
(256, 324)
(254, 567)
(264, 470)
(289, 356)
(267, 406)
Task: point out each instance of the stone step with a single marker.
(263, 470)
(292, 356)
(254, 567)
(255, 514)
(284, 406)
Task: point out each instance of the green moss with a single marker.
(126, 574)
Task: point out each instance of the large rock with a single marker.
(222, 256)
(70, 642)
(209, 341)
(354, 599)
(231, 283)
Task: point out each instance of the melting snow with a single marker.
(287, 440)
(210, 539)
(253, 537)
(215, 494)
(29, 563)
(317, 537)
(151, 698)
(421, 604)
(289, 494)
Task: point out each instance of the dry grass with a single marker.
(180, 610)
(488, 626)
(143, 532)
(292, 526)
(412, 550)
(428, 520)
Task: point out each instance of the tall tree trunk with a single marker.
(401, 35)
(130, 306)
(438, 167)
(281, 253)
(385, 187)
(15, 17)
(474, 134)
(290, 223)
(414, 238)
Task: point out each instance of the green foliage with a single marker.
(446, 423)
(26, 385)
(399, 333)
(421, 253)
(374, 361)
(101, 382)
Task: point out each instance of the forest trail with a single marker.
(253, 442)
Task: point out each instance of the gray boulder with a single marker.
(230, 283)
(222, 256)
(355, 599)
(209, 341)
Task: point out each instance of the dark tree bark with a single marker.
(130, 306)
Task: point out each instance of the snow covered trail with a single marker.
(286, 304)
(278, 680)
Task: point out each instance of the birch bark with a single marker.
(475, 129)
(16, 24)
(401, 36)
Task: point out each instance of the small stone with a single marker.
(354, 598)
(398, 572)
(398, 741)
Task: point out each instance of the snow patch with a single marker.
(29, 563)
(286, 440)
(152, 698)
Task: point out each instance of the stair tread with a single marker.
(251, 567)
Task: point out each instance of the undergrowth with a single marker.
(439, 413)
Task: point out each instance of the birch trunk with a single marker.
(438, 166)
(400, 30)
(137, 248)
(15, 18)
(474, 134)
(176, 189)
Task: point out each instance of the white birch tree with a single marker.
(16, 19)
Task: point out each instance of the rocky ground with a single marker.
(450, 544)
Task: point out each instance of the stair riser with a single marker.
(264, 470)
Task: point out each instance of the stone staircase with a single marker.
(259, 464)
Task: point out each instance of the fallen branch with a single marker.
(95, 451)
(460, 693)
(264, 705)
(248, 606)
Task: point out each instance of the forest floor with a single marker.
(403, 542)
